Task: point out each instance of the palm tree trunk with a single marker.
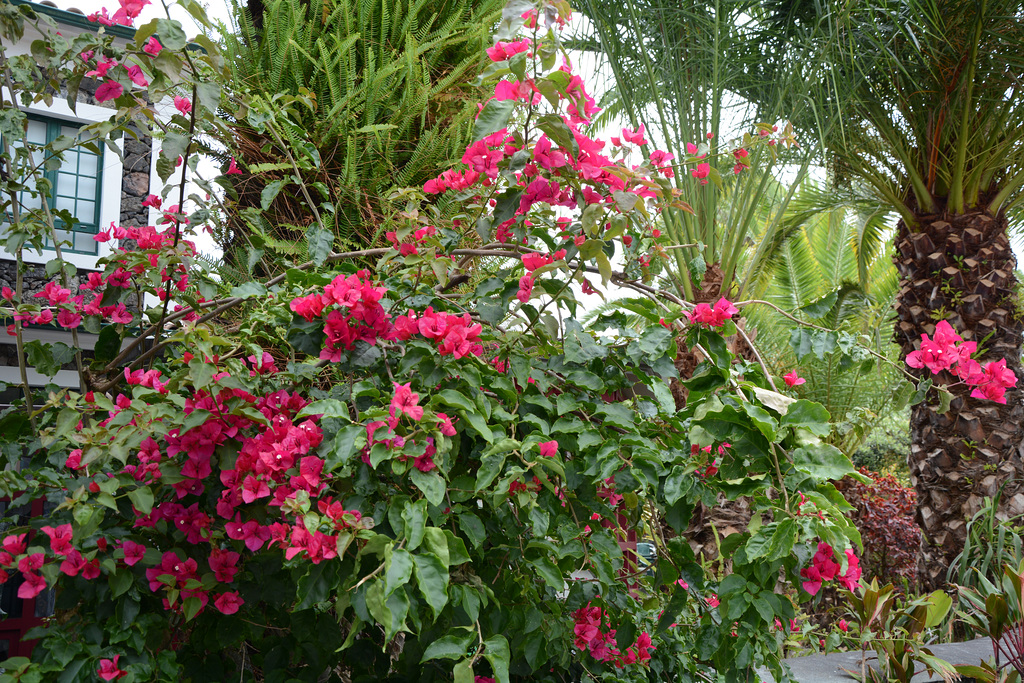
(960, 268)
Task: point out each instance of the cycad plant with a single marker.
(929, 96)
(372, 90)
(833, 273)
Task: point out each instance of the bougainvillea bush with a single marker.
(408, 462)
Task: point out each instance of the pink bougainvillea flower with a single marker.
(525, 288)
(703, 314)
(183, 104)
(136, 76)
(713, 600)
(33, 585)
(109, 670)
(993, 381)
(228, 603)
(635, 137)
(504, 50)
(793, 380)
(937, 354)
(445, 425)
(701, 172)
(133, 552)
(812, 580)
(109, 90)
(843, 626)
(102, 67)
(851, 578)
(69, 319)
(152, 47)
(54, 293)
(233, 168)
(548, 449)
(405, 400)
(60, 538)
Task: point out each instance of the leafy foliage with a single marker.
(884, 514)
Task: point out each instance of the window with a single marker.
(76, 185)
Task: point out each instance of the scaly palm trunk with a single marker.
(960, 268)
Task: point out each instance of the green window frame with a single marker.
(77, 184)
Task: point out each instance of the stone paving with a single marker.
(830, 668)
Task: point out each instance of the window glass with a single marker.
(76, 185)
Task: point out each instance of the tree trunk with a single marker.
(960, 268)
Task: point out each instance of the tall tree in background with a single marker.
(678, 68)
(930, 99)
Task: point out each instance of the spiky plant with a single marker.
(835, 273)
(376, 94)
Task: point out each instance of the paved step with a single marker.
(830, 668)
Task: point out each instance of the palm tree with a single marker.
(678, 68)
(929, 97)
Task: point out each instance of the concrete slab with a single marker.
(830, 668)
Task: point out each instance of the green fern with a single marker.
(391, 107)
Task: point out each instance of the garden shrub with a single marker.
(884, 514)
(434, 482)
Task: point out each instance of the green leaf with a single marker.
(142, 499)
(474, 529)
(822, 461)
(248, 290)
(319, 243)
(349, 440)
(120, 582)
(430, 483)
(809, 415)
(463, 672)
(172, 37)
(432, 581)
(398, 570)
(490, 467)
(506, 205)
(493, 117)
(580, 346)
(315, 585)
(559, 133)
(452, 646)
(435, 542)
(478, 424)
(496, 653)
(415, 517)
(270, 192)
(327, 407)
(548, 571)
(108, 345)
(454, 399)
(457, 552)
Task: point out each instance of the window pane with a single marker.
(85, 243)
(87, 164)
(86, 212)
(65, 204)
(86, 186)
(70, 163)
(66, 183)
(37, 131)
(30, 202)
(64, 236)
